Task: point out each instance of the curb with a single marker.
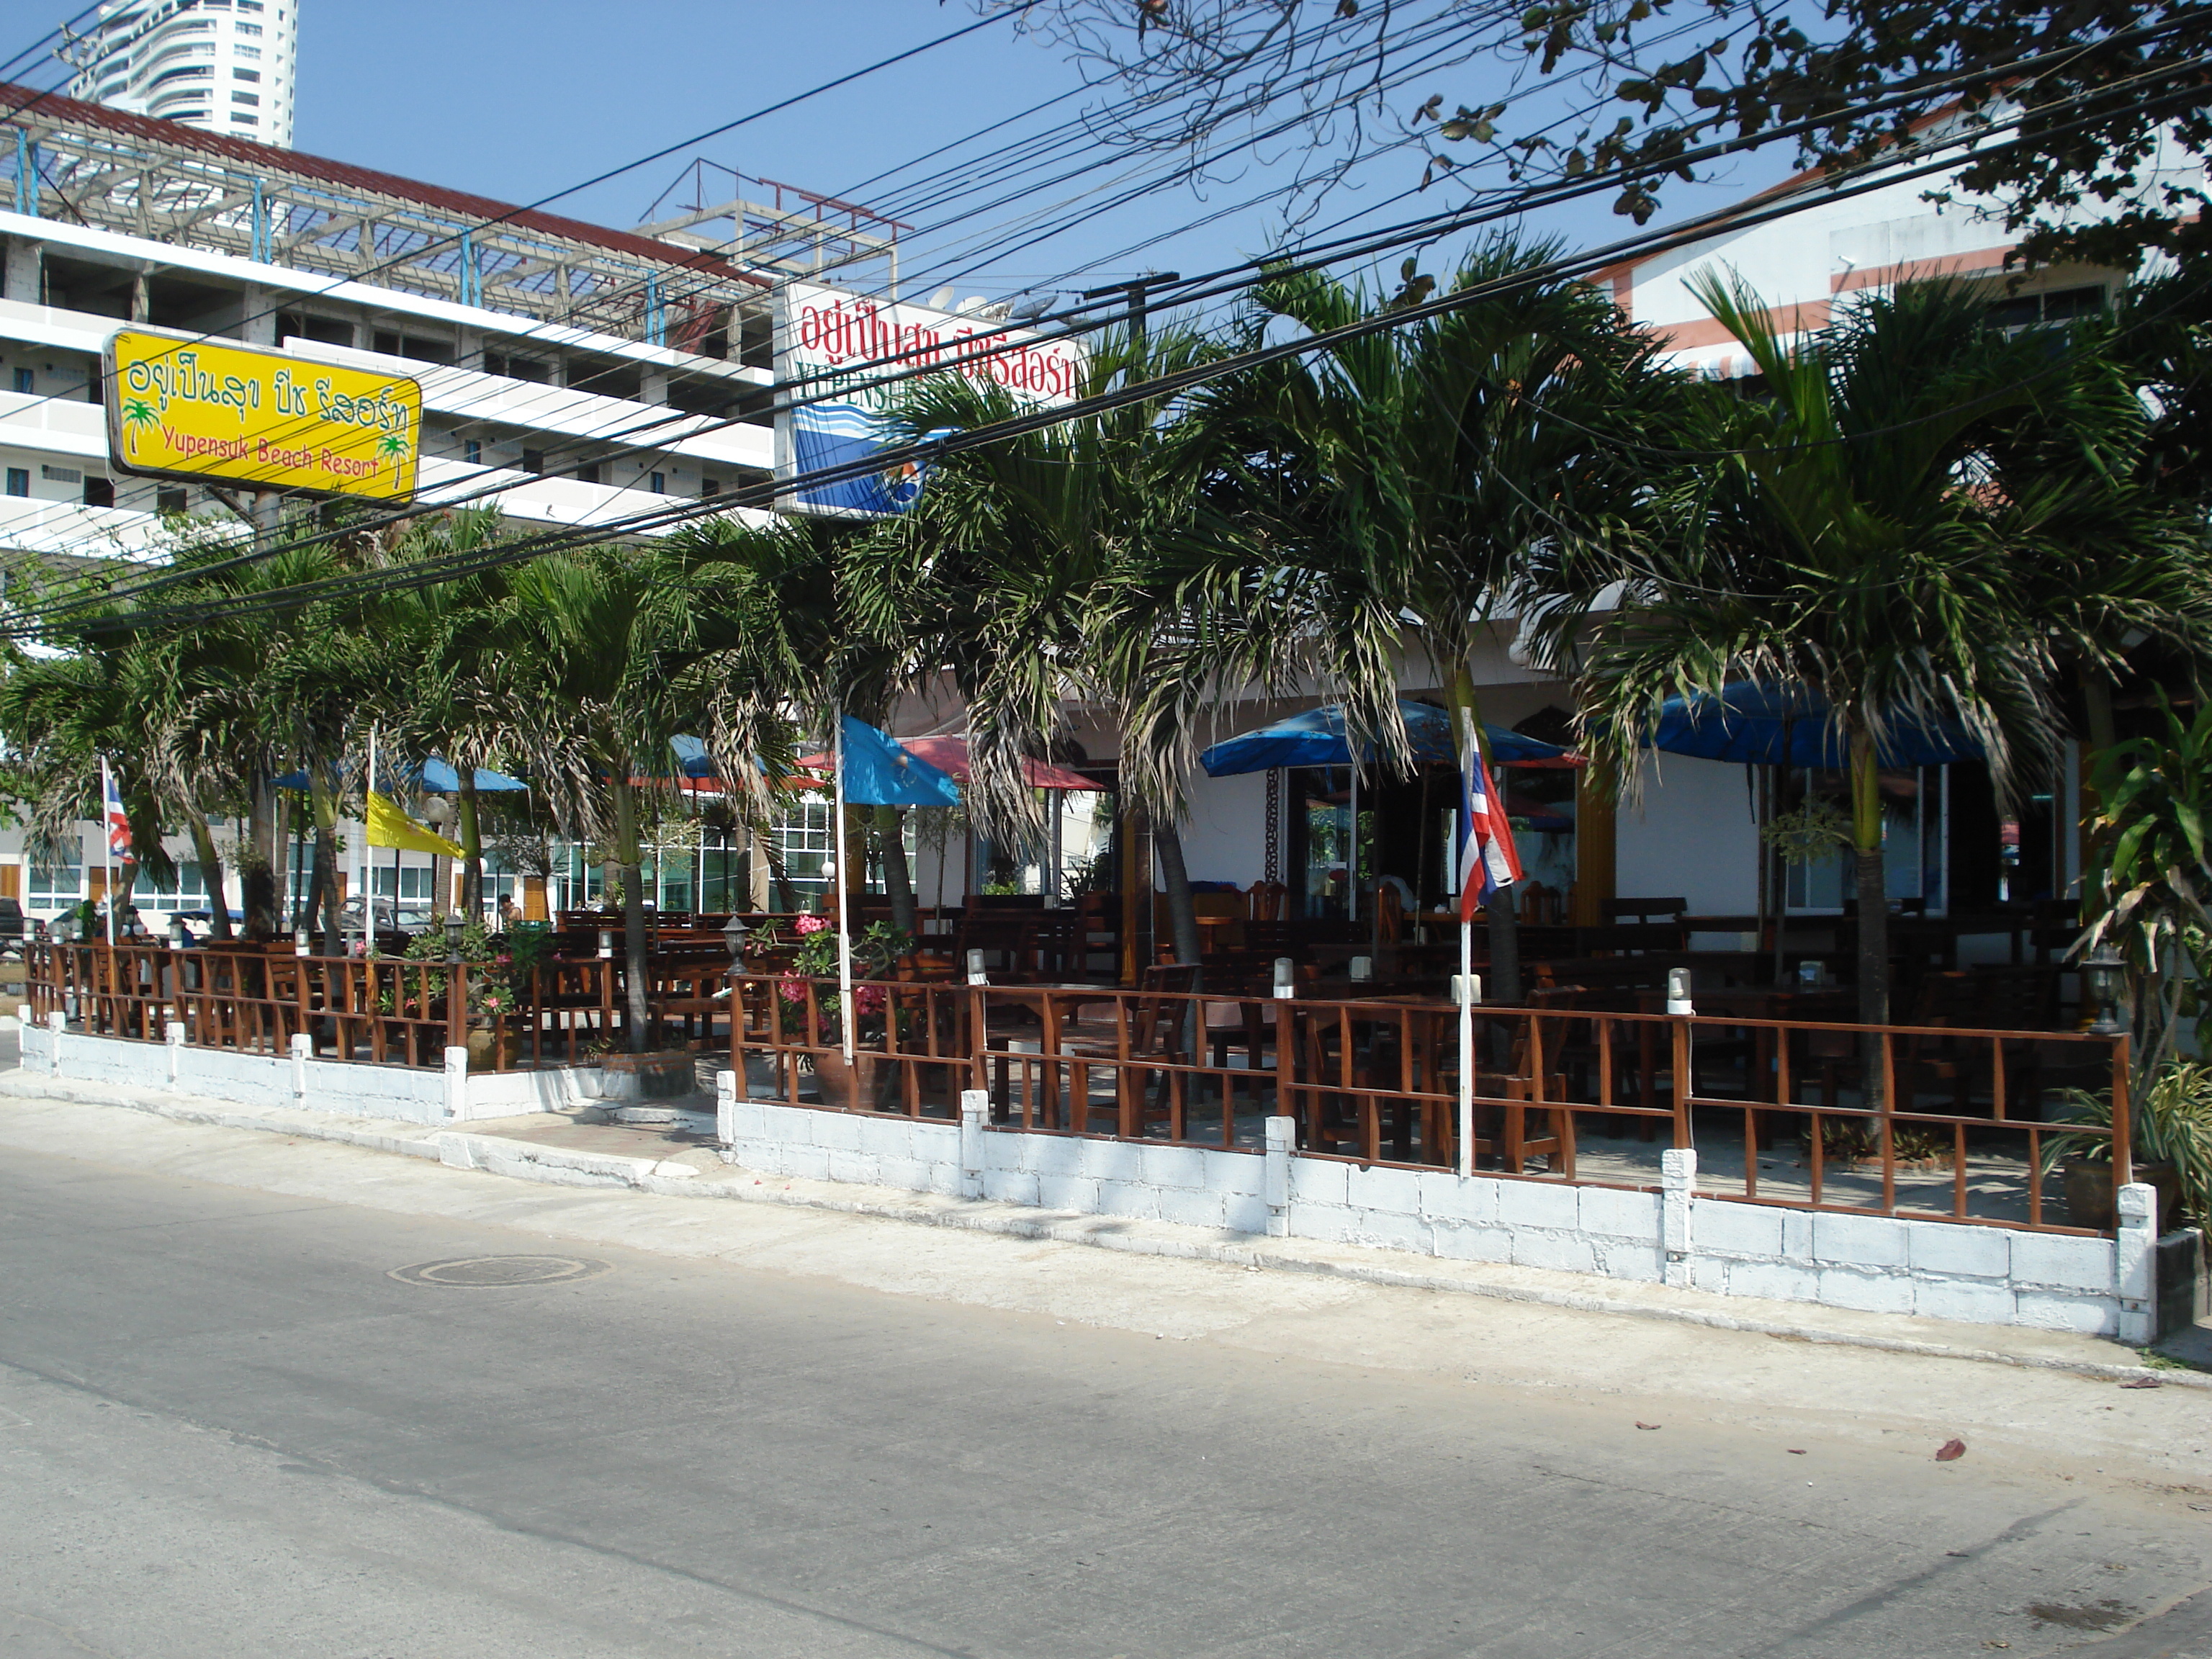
(524, 1160)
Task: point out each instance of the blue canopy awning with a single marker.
(1316, 737)
(1757, 725)
(432, 777)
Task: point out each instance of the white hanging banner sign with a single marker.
(850, 357)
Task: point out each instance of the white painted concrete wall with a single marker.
(1942, 1270)
(1225, 836)
(412, 1094)
(1693, 834)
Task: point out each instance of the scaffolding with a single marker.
(775, 228)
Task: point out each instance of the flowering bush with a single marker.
(815, 957)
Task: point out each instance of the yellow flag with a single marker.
(389, 827)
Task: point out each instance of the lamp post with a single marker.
(454, 923)
(733, 935)
(2104, 978)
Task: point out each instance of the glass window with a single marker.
(188, 892)
(22, 380)
(54, 885)
(19, 481)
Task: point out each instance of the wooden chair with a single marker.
(1265, 901)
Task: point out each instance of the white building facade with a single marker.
(222, 66)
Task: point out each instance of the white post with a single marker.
(975, 1117)
(1466, 1048)
(1282, 1139)
(2135, 1251)
(303, 1048)
(1677, 1179)
(107, 839)
(837, 854)
(172, 1037)
(367, 898)
(725, 1108)
(457, 1084)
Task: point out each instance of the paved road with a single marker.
(225, 1429)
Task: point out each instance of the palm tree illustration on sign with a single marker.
(137, 413)
(395, 446)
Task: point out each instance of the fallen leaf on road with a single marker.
(1647, 1426)
(1796, 1451)
(1950, 1451)
(2142, 1382)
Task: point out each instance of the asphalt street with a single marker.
(227, 1427)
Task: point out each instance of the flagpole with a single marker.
(368, 897)
(839, 861)
(1466, 1045)
(107, 838)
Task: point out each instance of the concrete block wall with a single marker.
(1935, 1269)
(410, 1095)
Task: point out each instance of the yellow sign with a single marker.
(181, 407)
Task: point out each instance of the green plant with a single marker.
(1852, 1140)
(1817, 830)
(2170, 1123)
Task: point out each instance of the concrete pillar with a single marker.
(468, 348)
(26, 277)
(258, 325)
(1282, 1134)
(303, 1048)
(142, 298)
(1678, 1184)
(2136, 1268)
(652, 386)
(725, 1099)
(457, 1084)
(974, 1115)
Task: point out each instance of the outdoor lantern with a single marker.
(453, 925)
(1466, 990)
(976, 974)
(733, 935)
(1363, 967)
(302, 944)
(1286, 977)
(178, 936)
(1678, 992)
(2104, 977)
(606, 942)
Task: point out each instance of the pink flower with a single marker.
(868, 1000)
(792, 988)
(806, 925)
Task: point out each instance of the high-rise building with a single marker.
(220, 65)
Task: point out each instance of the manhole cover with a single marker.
(491, 1272)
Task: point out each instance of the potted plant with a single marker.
(851, 1086)
(2171, 1126)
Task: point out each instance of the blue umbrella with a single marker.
(879, 772)
(433, 776)
(1756, 725)
(1316, 737)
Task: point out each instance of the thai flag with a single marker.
(118, 821)
(1487, 858)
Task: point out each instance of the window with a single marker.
(249, 28)
(22, 380)
(660, 483)
(394, 344)
(168, 500)
(190, 72)
(587, 472)
(533, 460)
(61, 475)
(100, 492)
(245, 98)
(245, 51)
(710, 486)
(53, 885)
(473, 452)
(19, 481)
(413, 881)
(518, 368)
(245, 120)
(249, 5)
(244, 75)
(190, 892)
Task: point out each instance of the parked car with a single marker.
(13, 928)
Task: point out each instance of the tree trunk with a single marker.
(211, 874)
(1872, 889)
(1182, 918)
(323, 882)
(898, 879)
(256, 885)
(471, 839)
(1501, 915)
(632, 860)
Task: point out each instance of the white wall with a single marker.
(1692, 834)
(1225, 836)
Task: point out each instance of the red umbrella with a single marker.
(950, 756)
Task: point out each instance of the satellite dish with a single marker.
(942, 300)
(1035, 306)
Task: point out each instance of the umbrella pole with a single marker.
(844, 921)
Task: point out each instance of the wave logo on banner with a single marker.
(844, 435)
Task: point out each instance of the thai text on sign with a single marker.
(184, 407)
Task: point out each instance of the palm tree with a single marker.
(1417, 480)
(1837, 533)
(1017, 576)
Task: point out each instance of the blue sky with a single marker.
(517, 100)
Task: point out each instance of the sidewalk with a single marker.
(578, 1149)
